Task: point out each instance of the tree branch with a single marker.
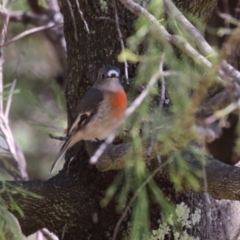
(225, 70)
(200, 41)
(222, 180)
(27, 33)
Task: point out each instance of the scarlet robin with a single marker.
(99, 113)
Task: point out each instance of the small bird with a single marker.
(99, 113)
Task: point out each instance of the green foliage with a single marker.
(9, 226)
(34, 110)
(171, 124)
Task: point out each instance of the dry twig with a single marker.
(82, 17)
(13, 147)
(200, 41)
(120, 39)
(28, 32)
(73, 19)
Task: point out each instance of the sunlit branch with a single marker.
(199, 40)
(82, 17)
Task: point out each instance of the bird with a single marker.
(99, 113)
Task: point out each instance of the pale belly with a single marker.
(101, 126)
(100, 131)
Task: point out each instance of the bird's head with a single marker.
(109, 78)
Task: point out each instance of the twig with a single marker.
(39, 235)
(136, 103)
(63, 231)
(222, 113)
(13, 146)
(152, 175)
(225, 70)
(48, 235)
(200, 41)
(149, 152)
(9, 101)
(163, 89)
(209, 133)
(29, 32)
(4, 25)
(73, 19)
(102, 148)
(229, 19)
(81, 14)
(120, 39)
(165, 36)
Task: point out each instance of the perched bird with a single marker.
(99, 113)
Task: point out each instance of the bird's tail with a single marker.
(60, 155)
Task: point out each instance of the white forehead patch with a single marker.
(112, 73)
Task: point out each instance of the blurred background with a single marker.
(38, 106)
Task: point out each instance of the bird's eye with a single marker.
(103, 76)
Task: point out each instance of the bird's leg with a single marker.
(60, 138)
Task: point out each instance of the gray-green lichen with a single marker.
(160, 233)
(186, 219)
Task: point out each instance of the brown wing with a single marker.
(86, 109)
